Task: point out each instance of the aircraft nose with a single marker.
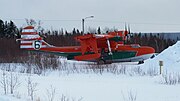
(150, 50)
(146, 50)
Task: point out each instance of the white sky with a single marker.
(142, 15)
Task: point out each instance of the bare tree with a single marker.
(131, 96)
(51, 93)
(171, 78)
(4, 82)
(14, 82)
(10, 80)
(31, 87)
(64, 98)
(13, 79)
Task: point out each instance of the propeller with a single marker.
(127, 32)
(125, 27)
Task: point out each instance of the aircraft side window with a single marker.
(135, 46)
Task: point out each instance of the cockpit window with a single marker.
(135, 46)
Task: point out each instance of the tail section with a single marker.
(31, 40)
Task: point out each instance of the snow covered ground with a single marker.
(9, 98)
(170, 58)
(135, 84)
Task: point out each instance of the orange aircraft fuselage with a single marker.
(106, 48)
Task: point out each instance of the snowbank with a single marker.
(170, 58)
(9, 98)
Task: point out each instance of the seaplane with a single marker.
(102, 49)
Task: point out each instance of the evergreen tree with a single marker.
(1, 28)
(99, 30)
(78, 32)
(13, 29)
(10, 30)
(74, 31)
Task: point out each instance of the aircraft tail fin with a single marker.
(31, 40)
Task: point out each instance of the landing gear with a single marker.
(140, 62)
(101, 62)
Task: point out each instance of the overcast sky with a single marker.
(141, 15)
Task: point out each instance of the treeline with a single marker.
(10, 51)
(158, 42)
(8, 30)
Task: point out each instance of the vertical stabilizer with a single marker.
(31, 40)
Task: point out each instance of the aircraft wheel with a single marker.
(141, 62)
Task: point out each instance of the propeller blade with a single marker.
(125, 27)
(129, 30)
(128, 33)
(125, 30)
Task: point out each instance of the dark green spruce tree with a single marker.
(1, 28)
(99, 30)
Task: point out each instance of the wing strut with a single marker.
(89, 48)
(109, 47)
